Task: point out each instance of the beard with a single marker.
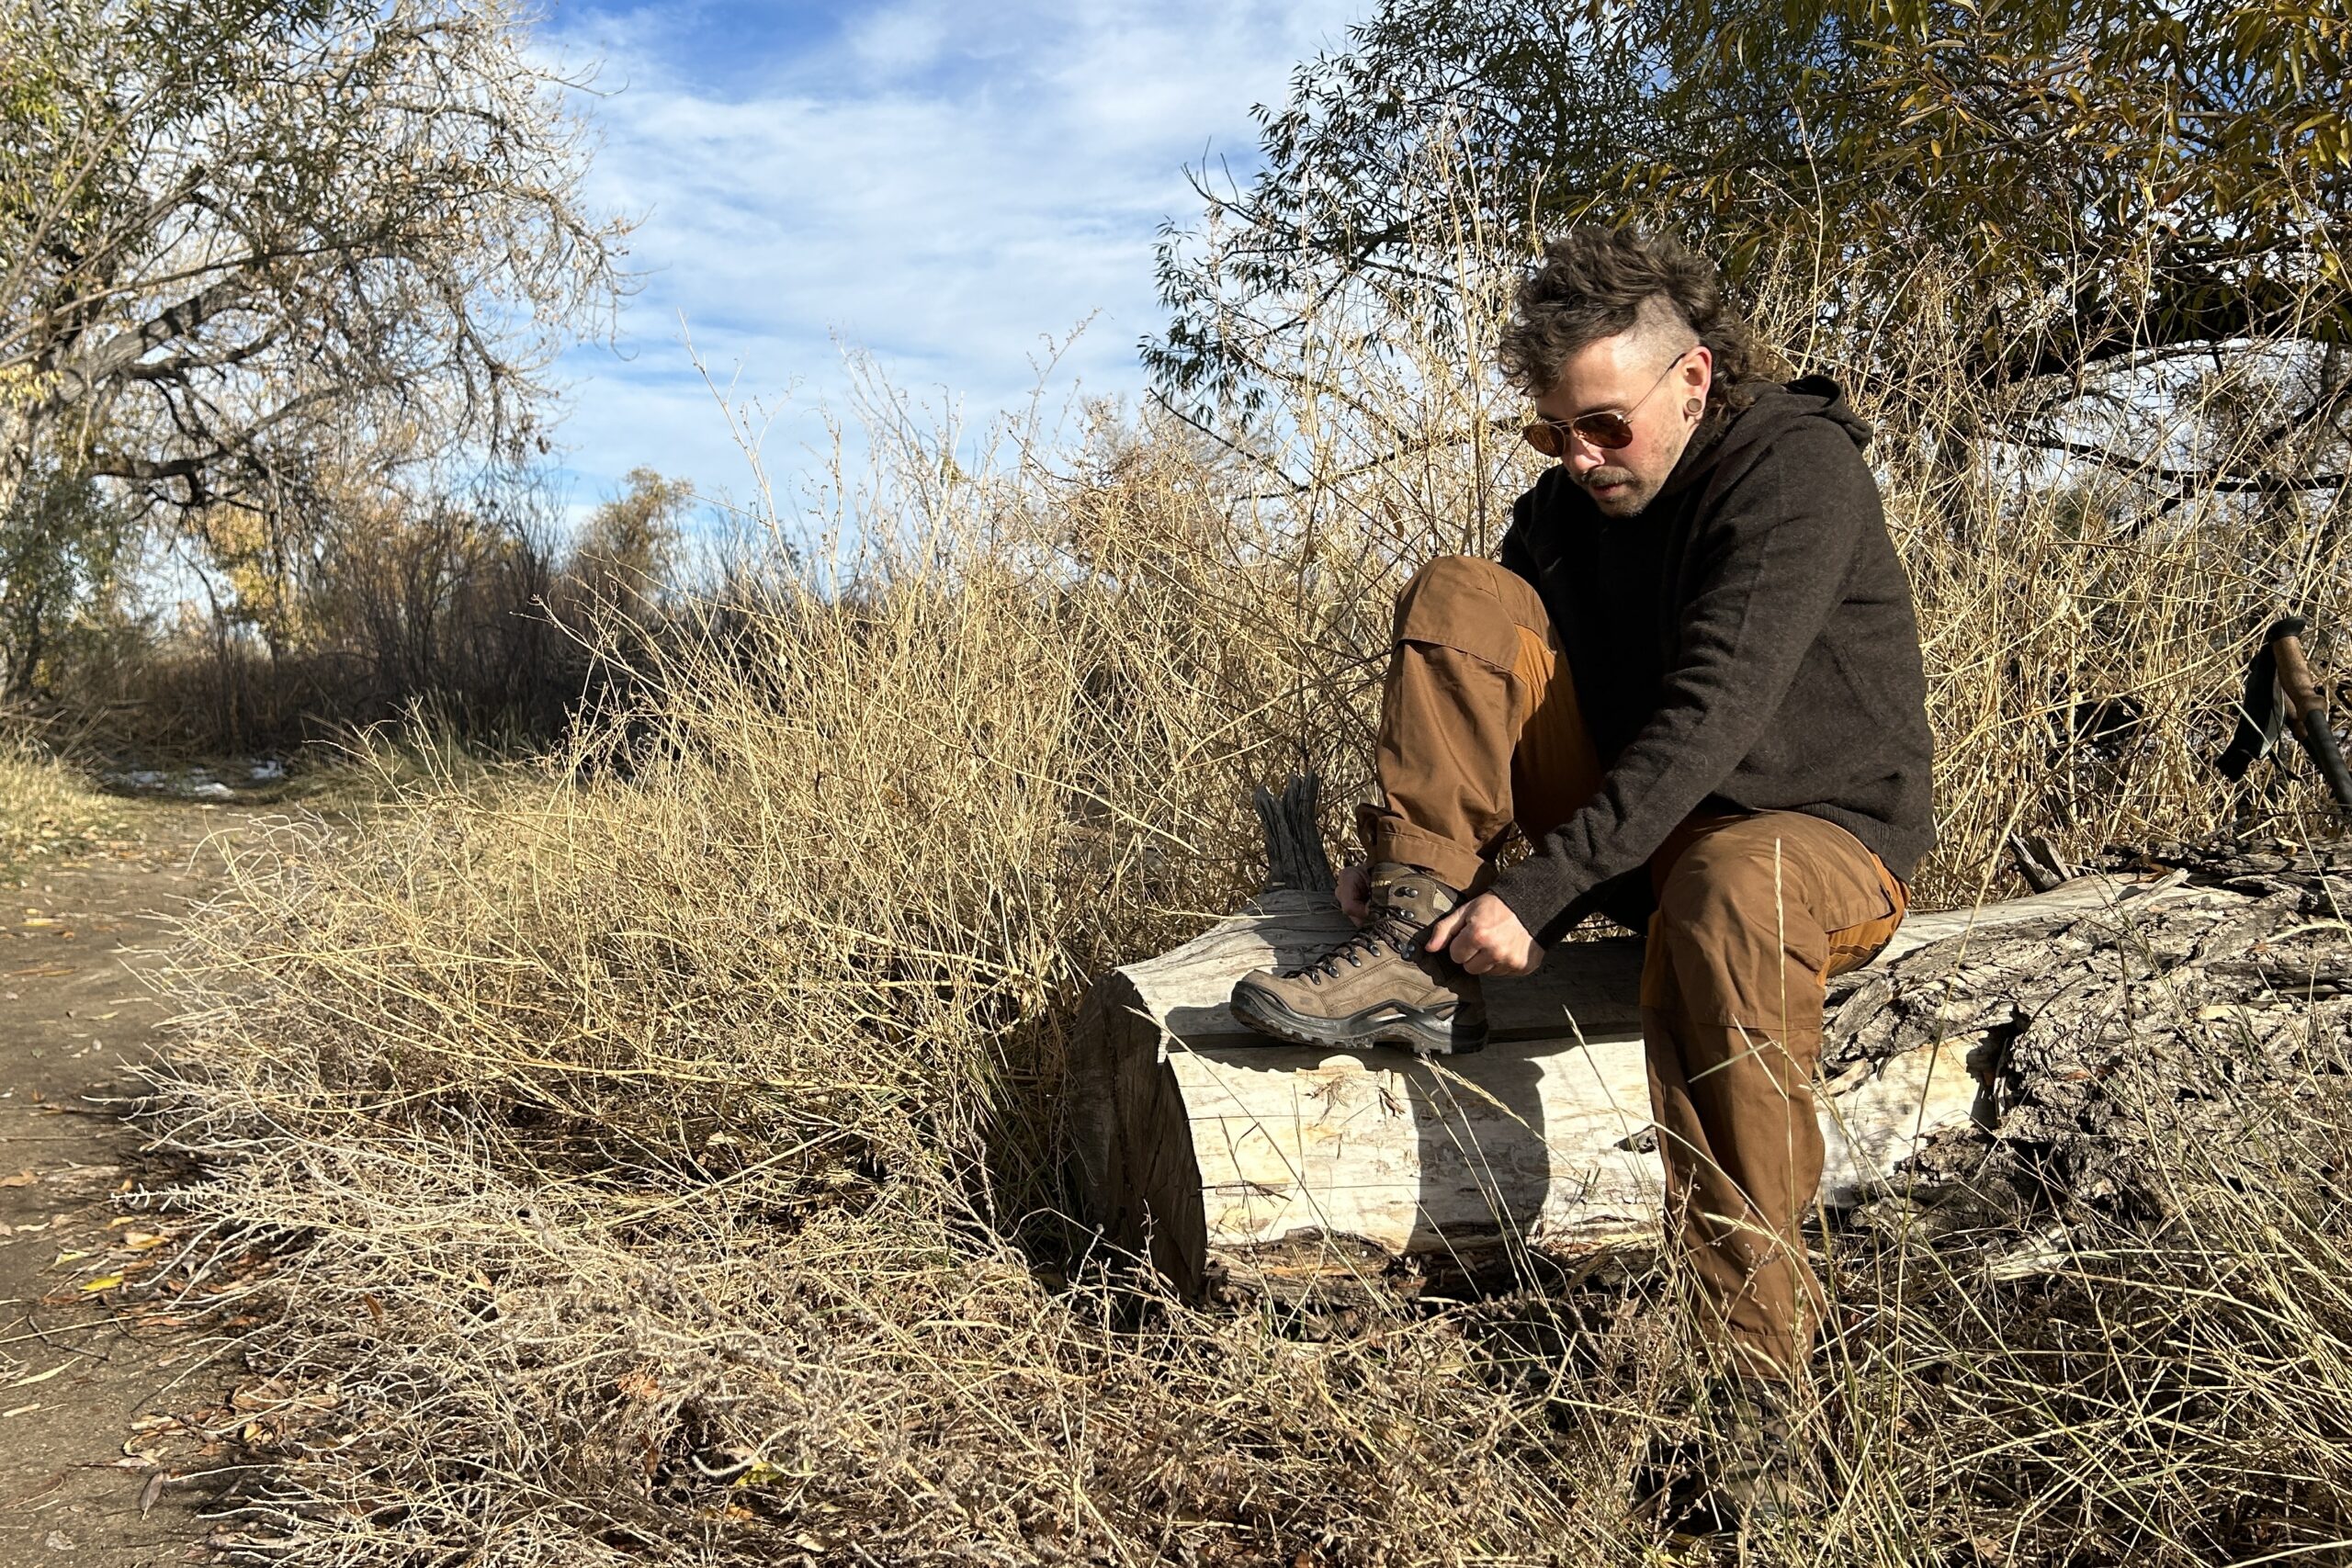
(1617, 492)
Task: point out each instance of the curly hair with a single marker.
(1593, 282)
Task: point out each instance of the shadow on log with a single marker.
(1228, 1160)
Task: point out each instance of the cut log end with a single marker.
(1140, 1176)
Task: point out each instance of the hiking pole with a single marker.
(2280, 685)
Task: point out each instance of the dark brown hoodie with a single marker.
(1747, 643)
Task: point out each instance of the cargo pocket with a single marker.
(1879, 915)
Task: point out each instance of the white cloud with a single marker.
(947, 187)
(898, 38)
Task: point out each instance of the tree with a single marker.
(234, 233)
(61, 550)
(627, 548)
(2087, 184)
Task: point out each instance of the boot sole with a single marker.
(1389, 1023)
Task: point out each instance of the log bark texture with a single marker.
(1226, 1160)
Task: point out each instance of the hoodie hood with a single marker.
(1818, 395)
(1761, 411)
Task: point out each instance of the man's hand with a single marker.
(1484, 938)
(1355, 891)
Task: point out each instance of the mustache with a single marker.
(1607, 477)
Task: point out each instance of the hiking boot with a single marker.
(1378, 987)
(1742, 1470)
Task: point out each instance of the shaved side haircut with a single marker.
(1595, 283)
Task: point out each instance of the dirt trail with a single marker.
(78, 1379)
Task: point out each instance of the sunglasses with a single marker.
(1602, 428)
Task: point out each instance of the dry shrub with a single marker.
(660, 1139)
(47, 806)
(676, 1105)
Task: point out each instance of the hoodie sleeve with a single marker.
(1778, 548)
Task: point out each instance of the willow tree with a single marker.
(238, 239)
(2076, 185)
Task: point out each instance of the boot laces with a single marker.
(1383, 930)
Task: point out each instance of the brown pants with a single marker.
(1480, 731)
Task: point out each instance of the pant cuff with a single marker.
(1443, 858)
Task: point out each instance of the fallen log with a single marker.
(1228, 1160)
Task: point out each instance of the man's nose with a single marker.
(1583, 455)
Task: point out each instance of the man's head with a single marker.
(1621, 338)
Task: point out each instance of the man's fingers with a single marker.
(1473, 937)
(1467, 936)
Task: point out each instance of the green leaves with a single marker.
(2099, 176)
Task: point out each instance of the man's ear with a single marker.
(1698, 371)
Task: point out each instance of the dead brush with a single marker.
(47, 806)
(2171, 1393)
(661, 1137)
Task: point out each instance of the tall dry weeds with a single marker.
(660, 1140)
(46, 807)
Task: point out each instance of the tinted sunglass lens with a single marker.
(1543, 438)
(1607, 431)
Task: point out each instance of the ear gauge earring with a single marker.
(1693, 407)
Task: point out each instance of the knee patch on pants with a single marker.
(1465, 603)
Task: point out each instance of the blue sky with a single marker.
(946, 186)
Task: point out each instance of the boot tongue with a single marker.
(1414, 897)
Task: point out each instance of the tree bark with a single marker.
(16, 449)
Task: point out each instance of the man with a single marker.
(1693, 684)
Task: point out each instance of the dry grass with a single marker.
(660, 1138)
(48, 809)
